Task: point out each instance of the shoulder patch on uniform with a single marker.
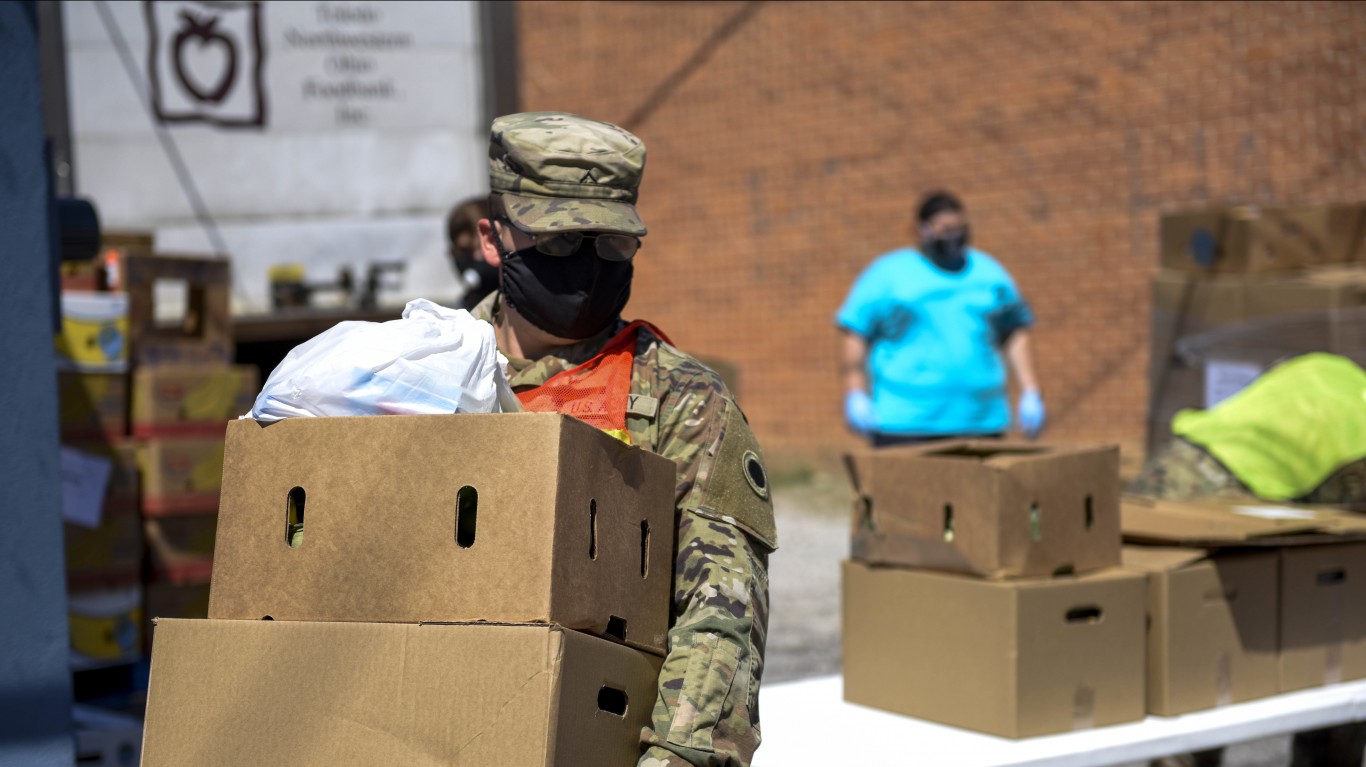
(755, 474)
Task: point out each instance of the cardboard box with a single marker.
(1245, 322)
(1249, 239)
(1212, 626)
(181, 475)
(994, 509)
(1216, 523)
(106, 626)
(198, 327)
(514, 518)
(180, 548)
(1010, 658)
(339, 694)
(175, 400)
(1323, 615)
(94, 335)
(92, 405)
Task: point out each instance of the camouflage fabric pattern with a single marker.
(562, 172)
(1183, 470)
(707, 710)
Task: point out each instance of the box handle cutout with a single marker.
(1064, 570)
(267, 617)
(1035, 523)
(466, 516)
(1085, 614)
(294, 517)
(1090, 513)
(948, 523)
(1332, 577)
(644, 548)
(1218, 596)
(863, 507)
(616, 627)
(592, 528)
(612, 701)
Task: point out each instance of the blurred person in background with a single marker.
(563, 232)
(476, 276)
(925, 330)
(1297, 433)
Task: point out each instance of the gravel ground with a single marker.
(804, 623)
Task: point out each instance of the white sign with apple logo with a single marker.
(205, 61)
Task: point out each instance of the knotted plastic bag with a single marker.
(434, 360)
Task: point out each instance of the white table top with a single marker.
(808, 723)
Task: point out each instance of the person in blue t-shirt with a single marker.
(925, 330)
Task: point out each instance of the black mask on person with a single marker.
(571, 297)
(949, 253)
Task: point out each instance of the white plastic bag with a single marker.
(434, 360)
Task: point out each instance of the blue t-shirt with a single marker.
(934, 337)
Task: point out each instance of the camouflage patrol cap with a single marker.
(560, 172)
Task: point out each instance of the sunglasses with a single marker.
(610, 247)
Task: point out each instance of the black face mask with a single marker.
(572, 297)
(949, 253)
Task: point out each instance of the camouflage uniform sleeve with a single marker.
(707, 709)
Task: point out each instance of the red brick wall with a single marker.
(789, 142)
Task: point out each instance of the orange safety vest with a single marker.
(598, 391)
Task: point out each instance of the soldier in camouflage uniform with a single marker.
(556, 173)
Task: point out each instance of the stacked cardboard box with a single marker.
(143, 436)
(182, 392)
(1243, 288)
(480, 588)
(1246, 600)
(100, 480)
(984, 589)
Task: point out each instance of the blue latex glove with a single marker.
(1031, 414)
(859, 413)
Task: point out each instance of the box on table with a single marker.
(1210, 336)
(228, 692)
(1010, 658)
(197, 329)
(181, 475)
(95, 332)
(1225, 523)
(190, 398)
(105, 625)
(1323, 615)
(1250, 239)
(515, 518)
(1212, 626)
(92, 405)
(988, 508)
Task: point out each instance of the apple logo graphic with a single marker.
(206, 36)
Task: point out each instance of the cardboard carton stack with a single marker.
(1242, 288)
(183, 391)
(1247, 600)
(478, 589)
(103, 541)
(142, 431)
(984, 589)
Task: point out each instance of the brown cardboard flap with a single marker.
(1215, 524)
(1160, 559)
